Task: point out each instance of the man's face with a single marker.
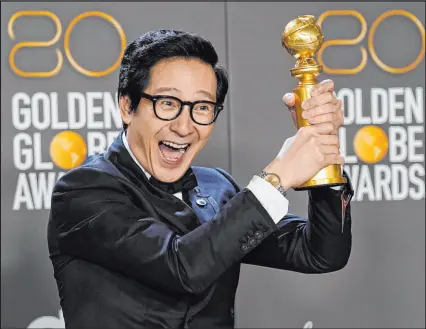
(149, 137)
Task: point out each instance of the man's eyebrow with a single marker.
(206, 93)
(164, 89)
(167, 89)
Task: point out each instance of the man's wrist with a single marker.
(284, 179)
(274, 202)
(273, 179)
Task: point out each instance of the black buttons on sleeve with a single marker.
(261, 227)
(258, 235)
(252, 237)
(244, 248)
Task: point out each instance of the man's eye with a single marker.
(203, 107)
(169, 102)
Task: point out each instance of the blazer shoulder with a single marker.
(216, 176)
(96, 171)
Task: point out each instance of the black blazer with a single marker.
(127, 255)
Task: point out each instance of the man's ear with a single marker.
(125, 112)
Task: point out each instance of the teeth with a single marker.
(176, 146)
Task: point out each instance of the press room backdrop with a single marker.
(379, 73)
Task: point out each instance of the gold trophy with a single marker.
(302, 38)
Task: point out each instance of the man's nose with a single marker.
(183, 124)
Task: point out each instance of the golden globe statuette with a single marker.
(302, 38)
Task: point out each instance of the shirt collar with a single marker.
(126, 145)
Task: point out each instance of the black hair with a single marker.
(142, 54)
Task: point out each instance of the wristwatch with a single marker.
(274, 180)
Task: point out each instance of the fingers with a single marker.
(321, 99)
(329, 149)
(329, 140)
(323, 144)
(323, 128)
(327, 154)
(323, 109)
(327, 117)
(330, 159)
(332, 118)
(323, 87)
(307, 133)
(329, 112)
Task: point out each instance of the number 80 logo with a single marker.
(371, 48)
(55, 19)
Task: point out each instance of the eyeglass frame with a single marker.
(155, 98)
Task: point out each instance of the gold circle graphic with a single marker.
(109, 19)
(68, 150)
(371, 144)
(416, 21)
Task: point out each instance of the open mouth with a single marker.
(172, 152)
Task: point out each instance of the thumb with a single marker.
(289, 100)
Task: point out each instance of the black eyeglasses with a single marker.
(168, 108)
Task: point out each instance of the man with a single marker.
(139, 238)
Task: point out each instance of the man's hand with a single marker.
(321, 107)
(313, 147)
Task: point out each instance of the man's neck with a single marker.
(148, 175)
(127, 146)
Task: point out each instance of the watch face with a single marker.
(273, 179)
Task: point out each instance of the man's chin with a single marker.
(167, 172)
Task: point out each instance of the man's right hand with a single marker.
(312, 149)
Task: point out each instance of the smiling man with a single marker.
(140, 238)
(165, 137)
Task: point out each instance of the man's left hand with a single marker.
(322, 106)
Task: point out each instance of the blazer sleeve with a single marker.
(93, 218)
(317, 244)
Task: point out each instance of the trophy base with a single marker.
(312, 184)
(327, 177)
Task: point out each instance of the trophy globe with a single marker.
(302, 38)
